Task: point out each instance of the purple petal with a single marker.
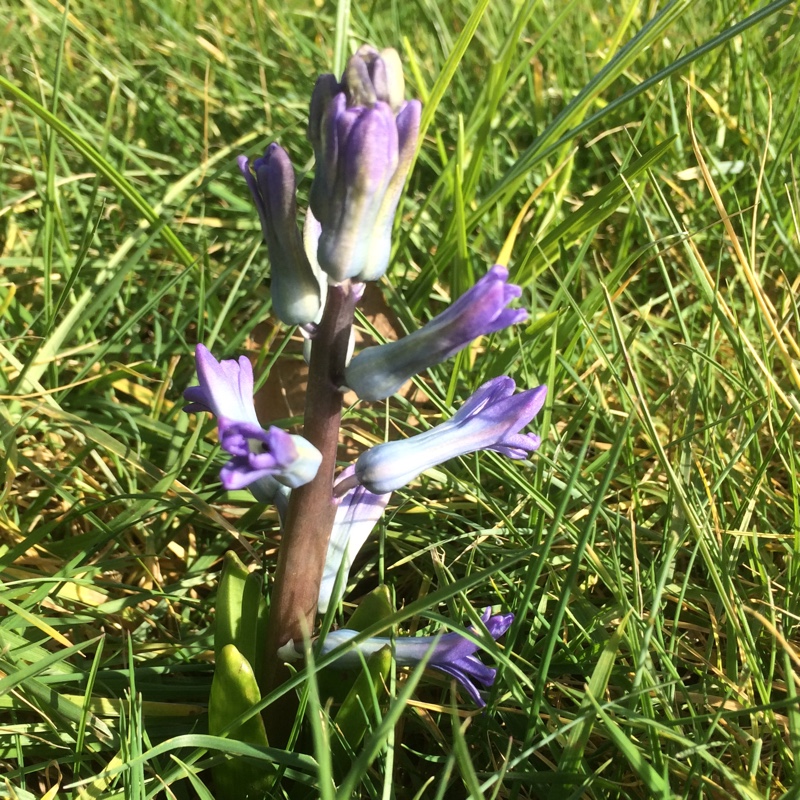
(370, 156)
(239, 473)
(325, 89)
(464, 680)
(226, 387)
(498, 624)
(198, 400)
(257, 453)
(491, 392)
(258, 200)
(408, 130)
(518, 446)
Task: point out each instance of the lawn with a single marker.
(635, 166)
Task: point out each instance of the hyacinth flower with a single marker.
(490, 420)
(262, 459)
(378, 372)
(258, 453)
(364, 137)
(297, 287)
(451, 653)
(356, 515)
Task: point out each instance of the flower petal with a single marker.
(226, 387)
(356, 515)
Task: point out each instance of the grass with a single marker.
(649, 550)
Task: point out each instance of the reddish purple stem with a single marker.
(309, 518)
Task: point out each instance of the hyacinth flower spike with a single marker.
(357, 514)
(264, 460)
(378, 372)
(490, 420)
(451, 653)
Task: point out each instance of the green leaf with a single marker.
(377, 605)
(229, 603)
(579, 735)
(591, 213)
(657, 786)
(99, 162)
(353, 718)
(234, 691)
(252, 623)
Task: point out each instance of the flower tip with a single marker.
(538, 396)
(499, 272)
(496, 624)
(244, 165)
(499, 624)
(204, 362)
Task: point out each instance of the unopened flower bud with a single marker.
(364, 137)
(371, 76)
(297, 290)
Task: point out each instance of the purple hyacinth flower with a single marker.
(490, 420)
(258, 453)
(451, 653)
(297, 287)
(364, 137)
(264, 460)
(378, 372)
(356, 515)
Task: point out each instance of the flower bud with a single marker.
(364, 137)
(297, 289)
(371, 76)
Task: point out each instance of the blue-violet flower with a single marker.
(297, 288)
(261, 459)
(490, 420)
(377, 372)
(451, 653)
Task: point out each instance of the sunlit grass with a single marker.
(649, 549)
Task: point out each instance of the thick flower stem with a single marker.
(311, 511)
